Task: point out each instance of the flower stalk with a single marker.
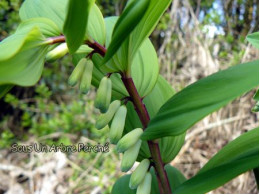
(163, 181)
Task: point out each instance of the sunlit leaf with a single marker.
(24, 66)
(56, 10)
(218, 176)
(254, 39)
(203, 97)
(47, 27)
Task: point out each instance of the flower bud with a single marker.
(104, 119)
(118, 124)
(129, 140)
(58, 52)
(130, 156)
(139, 173)
(85, 81)
(108, 95)
(145, 186)
(77, 72)
(103, 97)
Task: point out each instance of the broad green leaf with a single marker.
(145, 68)
(126, 23)
(218, 176)
(244, 145)
(127, 51)
(56, 10)
(254, 39)
(47, 27)
(25, 65)
(175, 179)
(203, 97)
(147, 24)
(122, 186)
(4, 89)
(76, 23)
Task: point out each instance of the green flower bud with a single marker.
(108, 95)
(118, 124)
(139, 173)
(129, 140)
(58, 52)
(130, 156)
(104, 119)
(145, 186)
(77, 72)
(103, 97)
(85, 81)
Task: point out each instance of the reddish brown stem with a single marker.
(94, 45)
(142, 112)
(58, 39)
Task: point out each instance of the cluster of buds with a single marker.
(82, 73)
(130, 143)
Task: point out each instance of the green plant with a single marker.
(128, 70)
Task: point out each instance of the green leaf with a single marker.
(47, 27)
(218, 176)
(254, 39)
(4, 89)
(24, 66)
(125, 25)
(130, 46)
(76, 23)
(175, 179)
(244, 145)
(147, 24)
(53, 10)
(145, 68)
(203, 97)
(56, 10)
(122, 186)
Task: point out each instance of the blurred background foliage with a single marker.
(194, 38)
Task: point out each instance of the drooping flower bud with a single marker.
(77, 72)
(58, 52)
(103, 97)
(145, 186)
(130, 156)
(86, 78)
(118, 124)
(139, 173)
(129, 140)
(104, 119)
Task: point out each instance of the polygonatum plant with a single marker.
(147, 119)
